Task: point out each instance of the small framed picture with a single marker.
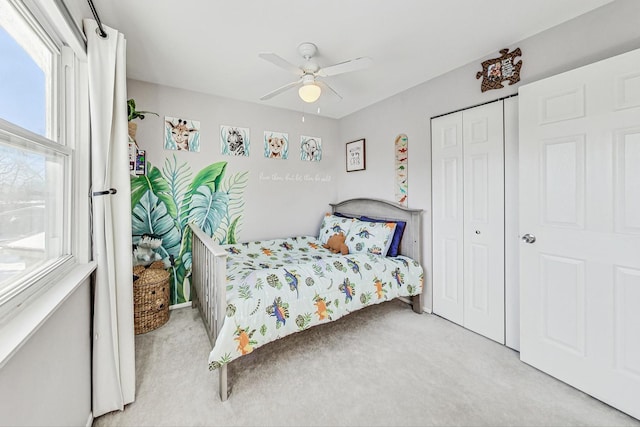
(310, 148)
(140, 165)
(276, 145)
(356, 156)
(181, 134)
(234, 141)
(133, 152)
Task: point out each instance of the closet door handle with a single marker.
(529, 238)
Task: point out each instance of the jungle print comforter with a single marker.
(278, 287)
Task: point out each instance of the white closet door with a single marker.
(580, 199)
(468, 218)
(447, 215)
(483, 231)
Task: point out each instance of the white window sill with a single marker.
(17, 330)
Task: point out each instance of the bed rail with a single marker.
(209, 289)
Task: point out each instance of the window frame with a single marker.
(68, 128)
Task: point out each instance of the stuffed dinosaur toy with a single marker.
(336, 244)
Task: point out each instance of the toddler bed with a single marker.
(253, 293)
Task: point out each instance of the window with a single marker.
(36, 164)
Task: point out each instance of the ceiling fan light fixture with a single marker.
(309, 92)
(309, 89)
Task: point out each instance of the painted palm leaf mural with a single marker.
(165, 201)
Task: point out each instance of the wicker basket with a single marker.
(150, 300)
(157, 264)
(138, 269)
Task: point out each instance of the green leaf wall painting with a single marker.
(165, 201)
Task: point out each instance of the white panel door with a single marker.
(580, 200)
(447, 216)
(483, 157)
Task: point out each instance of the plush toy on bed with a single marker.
(336, 244)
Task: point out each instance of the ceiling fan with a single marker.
(310, 73)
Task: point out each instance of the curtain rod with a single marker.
(103, 33)
(477, 105)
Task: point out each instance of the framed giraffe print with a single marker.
(181, 134)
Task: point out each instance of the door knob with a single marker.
(529, 238)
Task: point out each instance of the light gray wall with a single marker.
(48, 381)
(604, 32)
(292, 205)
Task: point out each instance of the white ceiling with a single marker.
(212, 46)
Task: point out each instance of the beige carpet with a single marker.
(381, 366)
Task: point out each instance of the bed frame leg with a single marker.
(416, 303)
(223, 382)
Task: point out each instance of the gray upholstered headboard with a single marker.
(410, 245)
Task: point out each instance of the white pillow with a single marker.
(332, 224)
(370, 237)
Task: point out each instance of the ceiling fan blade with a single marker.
(323, 85)
(280, 90)
(280, 62)
(345, 67)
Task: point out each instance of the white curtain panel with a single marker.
(113, 332)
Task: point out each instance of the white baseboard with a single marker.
(89, 420)
(181, 305)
